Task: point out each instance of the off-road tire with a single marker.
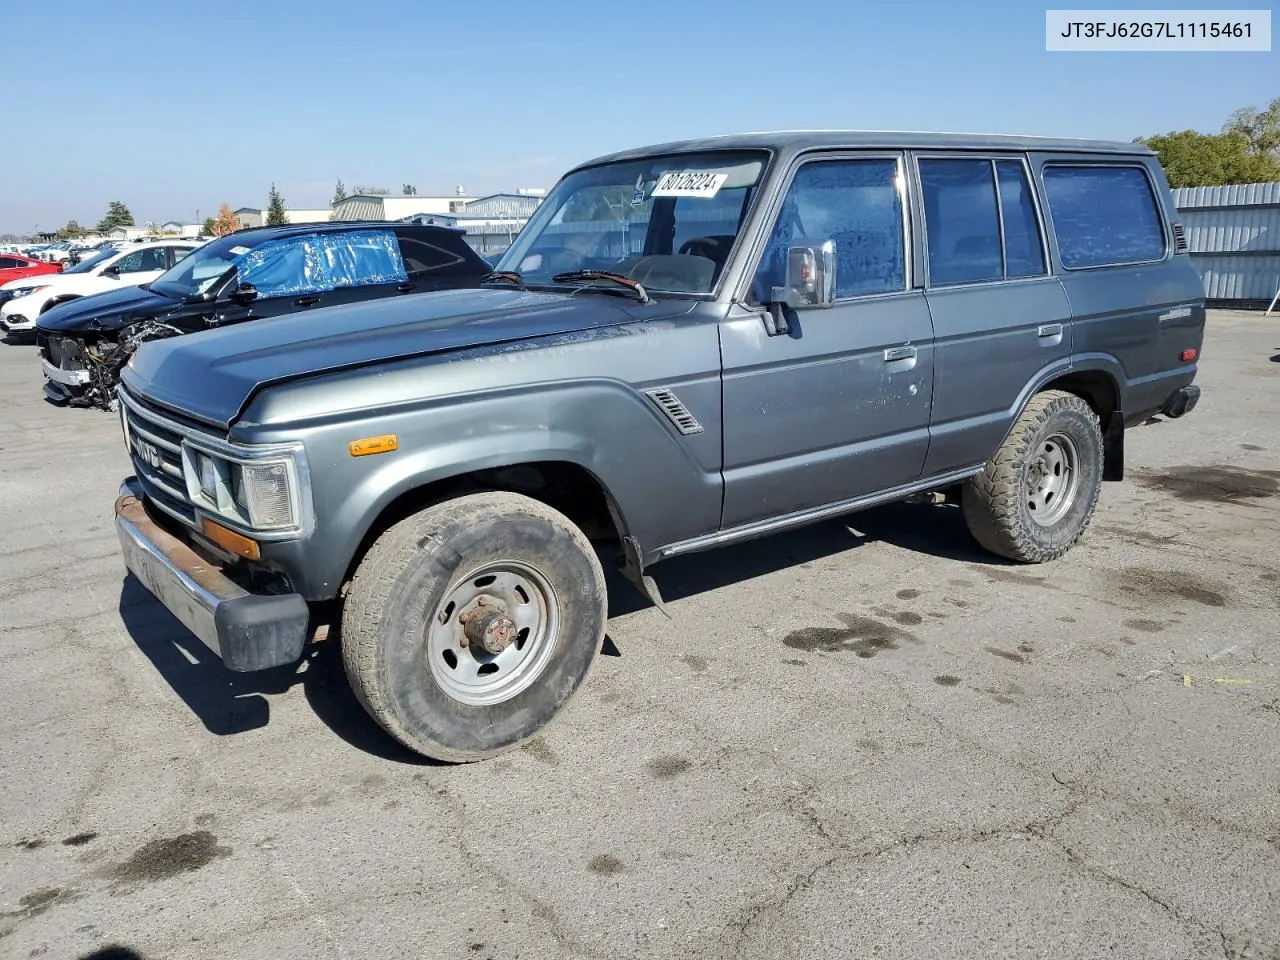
(405, 576)
(995, 507)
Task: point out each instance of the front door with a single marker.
(839, 408)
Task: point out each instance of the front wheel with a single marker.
(469, 625)
(1034, 499)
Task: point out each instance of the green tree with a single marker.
(210, 228)
(339, 192)
(1192, 159)
(71, 231)
(275, 209)
(118, 215)
(1260, 128)
(409, 190)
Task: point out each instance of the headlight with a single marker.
(262, 490)
(259, 493)
(30, 290)
(208, 478)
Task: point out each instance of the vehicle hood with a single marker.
(106, 311)
(211, 375)
(30, 280)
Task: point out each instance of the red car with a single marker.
(14, 266)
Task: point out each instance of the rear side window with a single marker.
(1023, 254)
(962, 221)
(1103, 215)
(426, 259)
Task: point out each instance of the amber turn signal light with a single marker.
(229, 539)
(370, 445)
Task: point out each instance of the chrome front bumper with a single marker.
(248, 631)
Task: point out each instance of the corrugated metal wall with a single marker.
(1233, 234)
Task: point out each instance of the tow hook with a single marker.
(487, 625)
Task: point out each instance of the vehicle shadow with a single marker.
(935, 530)
(229, 703)
(1276, 358)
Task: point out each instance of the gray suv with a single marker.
(689, 345)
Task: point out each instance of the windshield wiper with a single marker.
(633, 285)
(508, 276)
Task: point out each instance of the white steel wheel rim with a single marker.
(467, 672)
(1052, 479)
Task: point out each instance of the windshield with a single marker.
(667, 222)
(199, 271)
(84, 266)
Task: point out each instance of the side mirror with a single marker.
(244, 294)
(112, 272)
(811, 282)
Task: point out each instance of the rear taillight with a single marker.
(1189, 355)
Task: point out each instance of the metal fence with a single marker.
(1233, 235)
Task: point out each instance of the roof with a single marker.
(791, 141)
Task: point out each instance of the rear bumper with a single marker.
(248, 631)
(1181, 402)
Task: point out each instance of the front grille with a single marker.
(155, 446)
(64, 352)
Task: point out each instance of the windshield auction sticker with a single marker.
(1155, 30)
(689, 183)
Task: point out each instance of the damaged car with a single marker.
(253, 274)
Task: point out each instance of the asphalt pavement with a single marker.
(865, 739)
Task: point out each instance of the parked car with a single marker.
(689, 345)
(14, 266)
(249, 275)
(110, 270)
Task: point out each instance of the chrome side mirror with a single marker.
(811, 282)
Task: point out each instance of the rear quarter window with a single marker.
(1103, 215)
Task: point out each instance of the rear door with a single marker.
(1000, 319)
(839, 408)
(1136, 303)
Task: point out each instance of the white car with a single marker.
(110, 270)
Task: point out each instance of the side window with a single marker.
(961, 221)
(1023, 254)
(8, 263)
(177, 253)
(856, 203)
(281, 267)
(1103, 215)
(153, 258)
(428, 261)
(361, 258)
(130, 263)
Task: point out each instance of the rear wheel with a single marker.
(1035, 498)
(471, 624)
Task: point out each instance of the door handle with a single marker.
(307, 301)
(899, 353)
(1049, 330)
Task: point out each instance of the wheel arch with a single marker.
(565, 485)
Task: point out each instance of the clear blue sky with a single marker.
(181, 106)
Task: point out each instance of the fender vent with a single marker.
(1179, 238)
(678, 413)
